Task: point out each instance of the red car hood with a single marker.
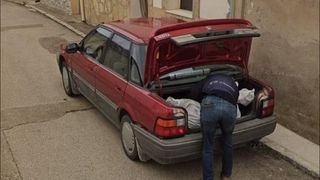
(196, 45)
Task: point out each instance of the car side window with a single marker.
(116, 56)
(134, 74)
(94, 44)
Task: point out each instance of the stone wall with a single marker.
(64, 5)
(286, 56)
(97, 11)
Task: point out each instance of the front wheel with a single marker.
(67, 81)
(128, 138)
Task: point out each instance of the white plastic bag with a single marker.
(192, 107)
(238, 112)
(246, 96)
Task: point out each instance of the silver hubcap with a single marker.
(128, 138)
(65, 78)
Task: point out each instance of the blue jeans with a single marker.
(216, 112)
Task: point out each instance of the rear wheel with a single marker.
(128, 138)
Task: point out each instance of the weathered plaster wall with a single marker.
(287, 57)
(135, 11)
(64, 5)
(215, 9)
(97, 11)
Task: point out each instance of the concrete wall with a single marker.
(97, 11)
(64, 5)
(135, 11)
(214, 9)
(287, 57)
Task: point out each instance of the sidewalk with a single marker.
(294, 148)
(290, 145)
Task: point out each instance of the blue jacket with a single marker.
(219, 85)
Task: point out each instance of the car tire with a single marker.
(128, 138)
(255, 144)
(66, 80)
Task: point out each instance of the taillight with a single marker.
(173, 127)
(267, 107)
(266, 103)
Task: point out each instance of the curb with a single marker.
(292, 158)
(299, 151)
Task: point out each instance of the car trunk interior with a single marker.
(182, 90)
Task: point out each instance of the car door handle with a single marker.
(118, 88)
(94, 68)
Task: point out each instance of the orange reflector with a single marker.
(166, 123)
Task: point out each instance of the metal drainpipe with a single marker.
(83, 17)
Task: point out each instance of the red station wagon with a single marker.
(128, 68)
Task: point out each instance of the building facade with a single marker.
(192, 9)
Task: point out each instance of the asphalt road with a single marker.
(47, 135)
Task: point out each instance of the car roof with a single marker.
(141, 30)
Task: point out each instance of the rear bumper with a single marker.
(168, 151)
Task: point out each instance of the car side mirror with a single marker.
(72, 48)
